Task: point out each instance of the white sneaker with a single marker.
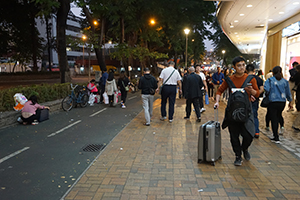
(123, 106)
(202, 110)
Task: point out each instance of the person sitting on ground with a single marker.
(92, 87)
(31, 111)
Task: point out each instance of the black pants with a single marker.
(235, 130)
(275, 110)
(188, 107)
(168, 93)
(30, 119)
(201, 99)
(210, 90)
(123, 95)
(268, 119)
(102, 91)
(111, 99)
(298, 99)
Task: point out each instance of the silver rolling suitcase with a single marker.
(209, 142)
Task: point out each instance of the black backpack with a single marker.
(238, 106)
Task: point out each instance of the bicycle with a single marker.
(72, 100)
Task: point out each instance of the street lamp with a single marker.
(223, 52)
(83, 38)
(186, 31)
(152, 21)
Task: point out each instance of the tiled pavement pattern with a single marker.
(160, 162)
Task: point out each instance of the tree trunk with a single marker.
(48, 29)
(98, 51)
(61, 23)
(122, 38)
(34, 40)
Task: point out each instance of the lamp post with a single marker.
(223, 52)
(83, 38)
(186, 31)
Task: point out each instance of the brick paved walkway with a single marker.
(160, 162)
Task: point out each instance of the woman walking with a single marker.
(296, 79)
(123, 87)
(110, 88)
(278, 90)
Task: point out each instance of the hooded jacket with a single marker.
(110, 87)
(146, 82)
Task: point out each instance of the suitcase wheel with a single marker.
(199, 161)
(213, 163)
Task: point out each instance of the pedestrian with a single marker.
(255, 101)
(292, 72)
(111, 88)
(31, 111)
(218, 79)
(168, 80)
(193, 86)
(269, 75)
(226, 92)
(296, 79)
(261, 75)
(203, 89)
(102, 83)
(236, 129)
(210, 85)
(148, 85)
(278, 89)
(123, 86)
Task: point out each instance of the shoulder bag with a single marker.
(160, 88)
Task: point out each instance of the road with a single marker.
(43, 161)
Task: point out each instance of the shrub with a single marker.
(44, 92)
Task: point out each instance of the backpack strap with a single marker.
(248, 79)
(229, 82)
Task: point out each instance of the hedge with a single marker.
(44, 92)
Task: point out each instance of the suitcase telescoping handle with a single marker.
(216, 113)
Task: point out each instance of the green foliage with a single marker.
(44, 93)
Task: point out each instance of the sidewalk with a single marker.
(160, 162)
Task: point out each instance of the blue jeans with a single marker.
(168, 92)
(256, 122)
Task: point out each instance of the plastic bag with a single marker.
(105, 97)
(116, 97)
(206, 99)
(92, 99)
(20, 100)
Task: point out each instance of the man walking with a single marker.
(168, 79)
(193, 85)
(238, 128)
(148, 85)
(217, 80)
(293, 72)
(203, 89)
(255, 101)
(102, 84)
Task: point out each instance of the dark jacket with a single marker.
(146, 82)
(193, 84)
(120, 84)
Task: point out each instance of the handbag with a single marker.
(265, 102)
(206, 99)
(126, 87)
(152, 91)
(161, 87)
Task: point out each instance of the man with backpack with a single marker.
(238, 114)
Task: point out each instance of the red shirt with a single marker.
(238, 82)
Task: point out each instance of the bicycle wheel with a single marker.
(67, 103)
(84, 100)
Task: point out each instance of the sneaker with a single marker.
(281, 131)
(238, 161)
(277, 141)
(289, 110)
(34, 123)
(163, 118)
(123, 106)
(267, 128)
(247, 155)
(170, 120)
(202, 110)
(199, 119)
(256, 135)
(186, 118)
